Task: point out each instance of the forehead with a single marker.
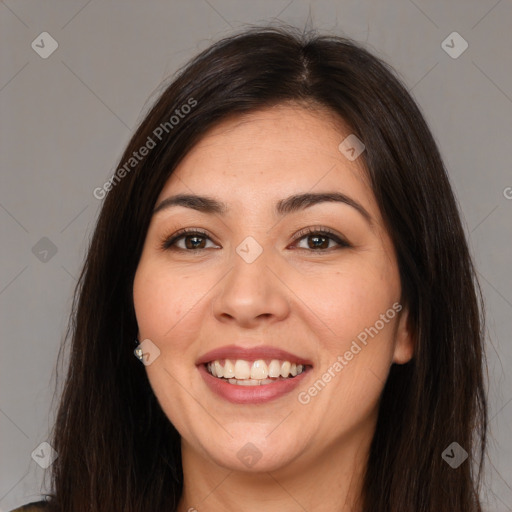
(269, 154)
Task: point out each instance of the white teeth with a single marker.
(259, 370)
(242, 369)
(246, 373)
(219, 370)
(250, 382)
(229, 369)
(274, 368)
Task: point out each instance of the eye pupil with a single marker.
(315, 244)
(193, 245)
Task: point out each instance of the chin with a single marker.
(254, 454)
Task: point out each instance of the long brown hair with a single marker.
(117, 449)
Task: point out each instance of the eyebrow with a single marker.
(283, 207)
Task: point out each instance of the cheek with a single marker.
(165, 305)
(349, 300)
(163, 299)
(356, 345)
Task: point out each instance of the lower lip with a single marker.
(250, 394)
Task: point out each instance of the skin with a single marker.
(310, 302)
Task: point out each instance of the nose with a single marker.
(251, 294)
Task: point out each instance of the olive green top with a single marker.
(35, 506)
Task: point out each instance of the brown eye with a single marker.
(187, 240)
(318, 240)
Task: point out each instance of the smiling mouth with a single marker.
(254, 373)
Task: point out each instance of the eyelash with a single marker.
(167, 243)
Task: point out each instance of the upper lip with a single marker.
(251, 354)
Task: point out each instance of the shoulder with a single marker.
(32, 507)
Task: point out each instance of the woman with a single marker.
(281, 240)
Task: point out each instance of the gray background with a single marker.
(65, 120)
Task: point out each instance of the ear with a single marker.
(404, 342)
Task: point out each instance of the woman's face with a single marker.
(257, 292)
